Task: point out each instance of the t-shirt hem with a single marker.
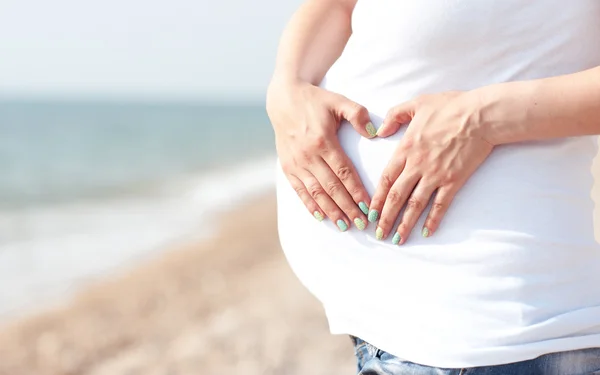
(451, 358)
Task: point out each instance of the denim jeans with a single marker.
(373, 361)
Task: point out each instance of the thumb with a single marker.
(395, 118)
(356, 114)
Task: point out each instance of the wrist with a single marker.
(285, 77)
(501, 111)
(476, 109)
(287, 92)
(485, 102)
(282, 86)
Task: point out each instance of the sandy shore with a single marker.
(228, 305)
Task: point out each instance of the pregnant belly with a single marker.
(524, 218)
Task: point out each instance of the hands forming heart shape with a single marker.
(441, 148)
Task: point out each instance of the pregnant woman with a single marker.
(434, 189)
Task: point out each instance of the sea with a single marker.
(87, 188)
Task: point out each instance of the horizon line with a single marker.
(212, 99)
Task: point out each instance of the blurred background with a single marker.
(137, 217)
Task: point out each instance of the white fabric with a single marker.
(514, 270)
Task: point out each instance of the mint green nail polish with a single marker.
(373, 216)
(360, 224)
(425, 232)
(342, 225)
(363, 207)
(318, 216)
(379, 233)
(370, 128)
(396, 239)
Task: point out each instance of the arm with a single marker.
(313, 40)
(305, 118)
(450, 134)
(556, 107)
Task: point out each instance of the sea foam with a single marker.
(50, 252)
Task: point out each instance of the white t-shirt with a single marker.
(513, 271)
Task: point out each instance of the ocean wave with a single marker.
(51, 251)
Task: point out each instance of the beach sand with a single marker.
(226, 305)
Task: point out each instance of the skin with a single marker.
(451, 134)
(306, 118)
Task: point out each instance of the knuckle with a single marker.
(386, 181)
(407, 143)
(450, 178)
(344, 173)
(438, 206)
(317, 143)
(385, 222)
(435, 169)
(394, 197)
(421, 156)
(417, 158)
(419, 100)
(357, 111)
(402, 228)
(315, 191)
(415, 203)
(332, 188)
(304, 156)
(355, 191)
(287, 167)
(299, 189)
(433, 221)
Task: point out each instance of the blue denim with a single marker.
(374, 361)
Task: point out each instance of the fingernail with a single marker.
(378, 130)
(396, 239)
(425, 232)
(360, 224)
(373, 216)
(371, 130)
(379, 233)
(318, 216)
(363, 207)
(342, 225)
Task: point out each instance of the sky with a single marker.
(172, 49)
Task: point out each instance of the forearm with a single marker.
(556, 107)
(313, 40)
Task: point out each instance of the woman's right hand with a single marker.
(306, 119)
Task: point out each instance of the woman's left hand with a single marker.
(442, 147)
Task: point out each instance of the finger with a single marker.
(318, 193)
(394, 201)
(441, 202)
(386, 181)
(343, 168)
(395, 118)
(356, 114)
(337, 191)
(415, 206)
(306, 198)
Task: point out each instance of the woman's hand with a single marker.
(442, 147)
(306, 119)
